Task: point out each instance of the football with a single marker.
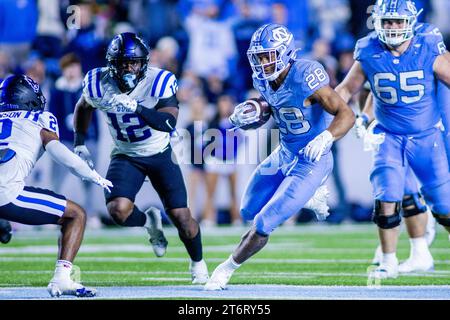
(263, 112)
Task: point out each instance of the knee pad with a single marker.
(413, 204)
(443, 220)
(386, 222)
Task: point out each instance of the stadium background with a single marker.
(203, 42)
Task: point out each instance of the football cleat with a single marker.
(417, 262)
(199, 272)
(384, 271)
(318, 203)
(5, 231)
(219, 278)
(378, 256)
(57, 288)
(157, 238)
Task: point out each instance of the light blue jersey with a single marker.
(404, 87)
(298, 123)
(407, 109)
(285, 181)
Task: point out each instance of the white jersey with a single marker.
(131, 135)
(20, 132)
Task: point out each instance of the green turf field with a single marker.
(301, 255)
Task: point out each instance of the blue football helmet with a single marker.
(20, 92)
(271, 49)
(125, 49)
(403, 10)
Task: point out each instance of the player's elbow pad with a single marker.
(161, 121)
(61, 154)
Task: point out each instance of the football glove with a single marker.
(316, 147)
(361, 126)
(373, 140)
(123, 100)
(102, 182)
(239, 118)
(83, 152)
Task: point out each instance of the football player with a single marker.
(419, 220)
(26, 132)
(403, 60)
(141, 108)
(303, 105)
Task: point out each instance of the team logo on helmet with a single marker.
(32, 84)
(281, 34)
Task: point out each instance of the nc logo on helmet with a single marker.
(280, 34)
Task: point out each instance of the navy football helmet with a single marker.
(20, 92)
(124, 53)
(271, 49)
(404, 11)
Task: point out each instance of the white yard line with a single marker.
(141, 248)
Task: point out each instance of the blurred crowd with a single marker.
(203, 42)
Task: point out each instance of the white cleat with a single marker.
(430, 232)
(420, 263)
(199, 272)
(378, 256)
(384, 271)
(219, 278)
(157, 238)
(57, 288)
(318, 203)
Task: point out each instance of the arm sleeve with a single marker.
(161, 121)
(65, 157)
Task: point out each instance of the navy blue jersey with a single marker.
(298, 122)
(404, 87)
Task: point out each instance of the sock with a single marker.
(418, 245)
(231, 264)
(389, 258)
(136, 219)
(62, 270)
(194, 247)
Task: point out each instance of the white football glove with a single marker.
(102, 182)
(123, 100)
(360, 127)
(316, 147)
(239, 118)
(372, 140)
(83, 152)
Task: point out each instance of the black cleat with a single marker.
(5, 231)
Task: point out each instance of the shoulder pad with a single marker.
(92, 84)
(431, 37)
(365, 46)
(49, 122)
(310, 75)
(164, 84)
